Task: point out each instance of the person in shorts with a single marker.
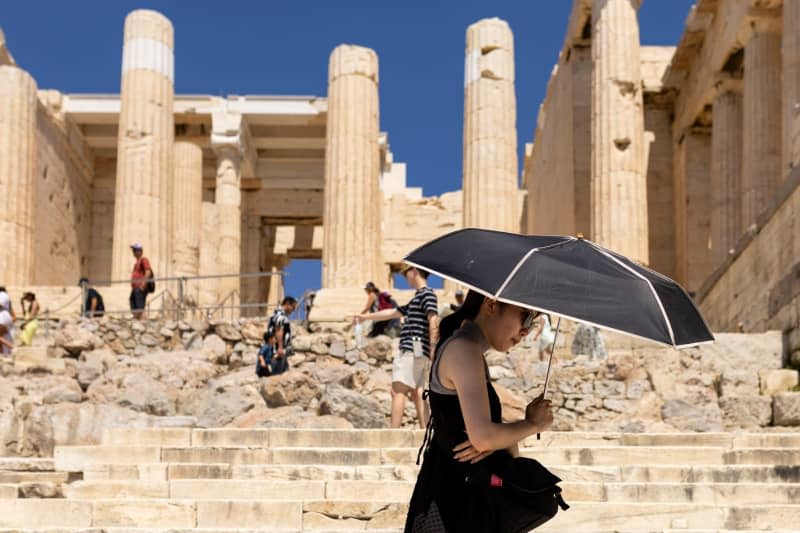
(142, 272)
(420, 331)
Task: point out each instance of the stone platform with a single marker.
(281, 480)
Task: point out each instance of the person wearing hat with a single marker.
(420, 331)
(142, 272)
(6, 333)
(93, 305)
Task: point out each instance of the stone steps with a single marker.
(400, 491)
(574, 473)
(399, 438)
(172, 479)
(329, 514)
(77, 458)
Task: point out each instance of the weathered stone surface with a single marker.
(216, 348)
(776, 381)
(379, 348)
(786, 409)
(750, 412)
(362, 412)
(227, 332)
(75, 339)
(290, 388)
(217, 406)
(687, 416)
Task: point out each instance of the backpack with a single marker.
(385, 301)
(272, 326)
(150, 285)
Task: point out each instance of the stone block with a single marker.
(8, 491)
(32, 514)
(231, 437)
(273, 490)
(361, 490)
(328, 456)
(268, 515)
(199, 471)
(217, 455)
(746, 411)
(143, 513)
(96, 490)
(786, 409)
(77, 458)
(773, 382)
(148, 436)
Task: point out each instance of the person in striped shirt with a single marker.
(419, 333)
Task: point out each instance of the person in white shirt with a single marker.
(6, 333)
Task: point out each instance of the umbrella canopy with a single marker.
(569, 277)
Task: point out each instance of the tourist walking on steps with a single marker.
(93, 305)
(278, 338)
(30, 311)
(466, 418)
(141, 280)
(420, 331)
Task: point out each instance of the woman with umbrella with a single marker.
(470, 480)
(467, 416)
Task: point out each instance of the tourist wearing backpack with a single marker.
(378, 300)
(142, 281)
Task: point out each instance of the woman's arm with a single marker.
(380, 316)
(469, 377)
(34, 309)
(370, 301)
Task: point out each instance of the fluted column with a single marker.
(791, 85)
(208, 289)
(350, 255)
(490, 137)
(762, 139)
(726, 170)
(143, 198)
(228, 200)
(251, 257)
(18, 104)
(618, 183)
(187, 205)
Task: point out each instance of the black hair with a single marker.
(468, 311)
(423, 273)
(289, 300)
(3, 288)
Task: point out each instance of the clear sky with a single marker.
(282, 47)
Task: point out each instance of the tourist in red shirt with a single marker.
(141, 273)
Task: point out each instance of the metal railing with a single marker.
(188, 297)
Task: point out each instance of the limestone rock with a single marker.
(361, 411)
(687, 416)
(290, 388)
(325, 373)
(40, 489)
(337, 349)
(148, 340)
(302, 343)
(75, 339)
(227, 332)
(252, 331)
(135, 388)
(378, 347)
(66, 390)
(218, 406)
(735, 382)
(748, 412)
(776, 381)
(216, 347)
(786, 409)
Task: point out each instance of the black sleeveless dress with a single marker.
(443, 501)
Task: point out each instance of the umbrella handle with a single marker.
(549, 365)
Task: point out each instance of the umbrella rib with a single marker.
(525, 258)
(650, 285)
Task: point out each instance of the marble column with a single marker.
(251, 257)
(618, 183)
(351, 254)
(144, 182)
(18, 107)
(187, 208)
(490, 137)
(228, 200)
(207, 290)
(761, 116)
(791, 86)
(726, 170)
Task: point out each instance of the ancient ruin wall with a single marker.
(102, 232)
(62, 206)
(756, 289)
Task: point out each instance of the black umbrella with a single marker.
(569, 277)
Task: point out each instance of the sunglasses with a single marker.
(528, 318)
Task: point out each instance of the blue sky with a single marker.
(271, 47)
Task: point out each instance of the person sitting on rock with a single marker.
(30, 310)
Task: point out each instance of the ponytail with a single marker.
(468, 311)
